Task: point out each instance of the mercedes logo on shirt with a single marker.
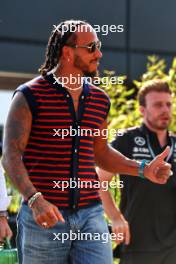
(140, 141)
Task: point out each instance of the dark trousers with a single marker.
(167, 256)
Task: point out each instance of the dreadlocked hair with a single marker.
(56, 42)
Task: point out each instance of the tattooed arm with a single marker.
(17, 131)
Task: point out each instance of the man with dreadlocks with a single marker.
(58, 222)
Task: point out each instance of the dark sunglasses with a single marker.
(91, 47)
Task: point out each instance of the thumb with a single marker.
(163, 155)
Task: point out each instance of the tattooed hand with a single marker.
(45, 213)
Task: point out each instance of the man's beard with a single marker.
(81, 65)
(154, 125)
(92, 74)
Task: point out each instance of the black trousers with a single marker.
(167, 256)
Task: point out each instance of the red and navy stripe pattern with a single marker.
(48, 157)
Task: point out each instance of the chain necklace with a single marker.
(152, 152)
(63, 85)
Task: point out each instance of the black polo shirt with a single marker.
(149, 208)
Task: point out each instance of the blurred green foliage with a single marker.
(16, 197)
(124, 106)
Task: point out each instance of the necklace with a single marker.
(63, 85)
(152, 152)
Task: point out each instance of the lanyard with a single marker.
(152, 152)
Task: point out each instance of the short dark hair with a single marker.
(152, 86)
(56, 42)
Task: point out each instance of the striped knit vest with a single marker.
(60, 166)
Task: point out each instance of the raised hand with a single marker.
(159, 171)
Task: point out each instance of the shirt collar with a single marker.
(154, 139)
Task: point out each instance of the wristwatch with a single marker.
(4, 214)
